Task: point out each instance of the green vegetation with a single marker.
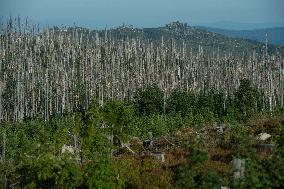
(101, 147)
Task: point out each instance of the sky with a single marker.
(146, 13)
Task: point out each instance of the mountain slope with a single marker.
(275, 35)
(192, 37)
(179, 35)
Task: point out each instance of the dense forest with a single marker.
(81, 109)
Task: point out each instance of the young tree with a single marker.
(180, 102)
(246, 98)
(118, 118)
(149, 101)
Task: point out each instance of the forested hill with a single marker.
(180, 34)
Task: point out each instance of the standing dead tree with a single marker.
(57, 70)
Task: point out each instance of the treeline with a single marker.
(213, 104)
(50, 72)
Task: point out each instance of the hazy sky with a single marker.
(144, 13)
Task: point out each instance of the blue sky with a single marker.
(144, 13)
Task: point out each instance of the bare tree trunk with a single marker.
(4, 157)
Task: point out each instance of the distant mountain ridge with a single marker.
(183, 34)
(231, 25)
(180, 35)
(275, 35)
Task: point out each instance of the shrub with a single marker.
(193, 175)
